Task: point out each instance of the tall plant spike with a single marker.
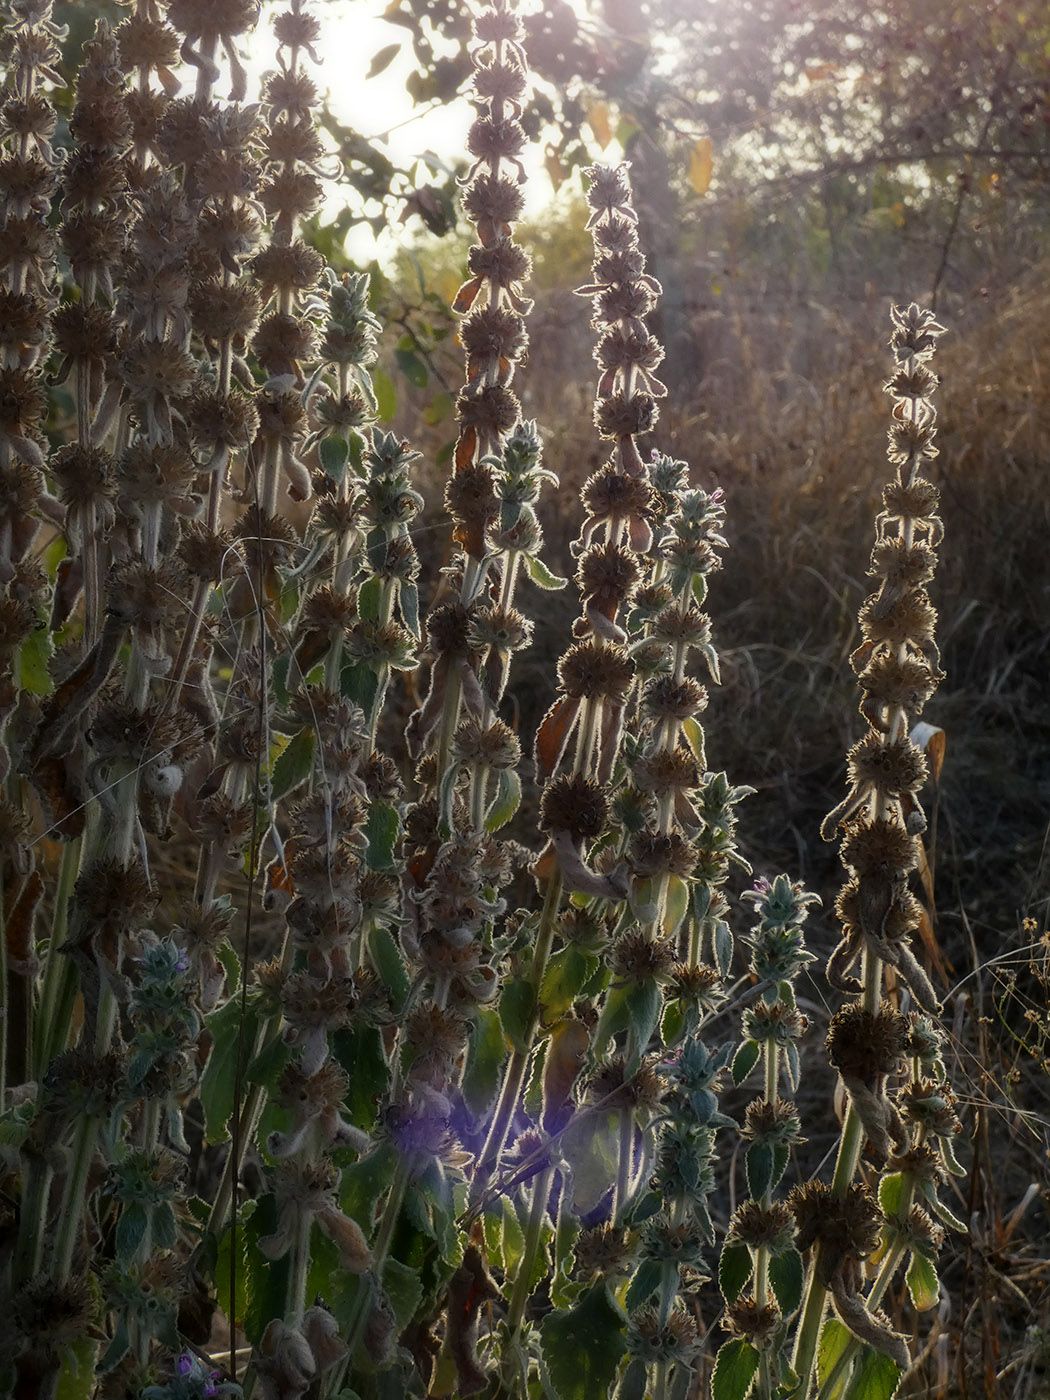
(897, 665)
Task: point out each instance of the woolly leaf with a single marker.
(370, 598)
(506, 801)
(759, 1160)
(267, 1279)
(217, 1082)
(404, 1287)
(635, 1381)
(76, 1380)
(33, 657)
(295, 764)
(363, 1183)
(582, 1346)
(644, 1284)
(390, 965)
(676, 905)
(515, 1011)
(876, 1377)
(723, 946)
(835, 1337)
(745, 1059)
(565, 1237)
(923, 1284)
(408, 598)
(485, 1057)
(644, 1002)
(553, 734)
(542, 576)
(334, 452)
(381, 829)
(735, 1367)
(566, 974)
(359, 1049)
(131, 1230)
(694, 736)
(786, 1276)
(891, 1189)
(735, 1267)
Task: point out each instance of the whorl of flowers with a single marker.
(897, 666)
(491, 301)
(285, 339)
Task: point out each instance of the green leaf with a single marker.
(486, 1055)
(876, 1377)
(835, 1337)
(408, 599)
(745, 1059)
(583, 1345)
(565, 1237)
(370, 597)
(382, 60)
(404, 1287)
(33, 656)
(923, 1284)
(217, 1081)
(542, 576)
(759, 1161)
(735, 1267)
(735, 1367)
(295, 764)
(363, 1183)
(644, 1284)
(564, 979)
(506, 801)
(76, 1379)
(381, 829)
(334, 452)
(359, 684)
(223, 1263)
(131, 1230)
(412, 367)
(386, 395)
(359, 1049)
(266, 1281)
(389, 964)
(694, 737)
(723, 943)
(644, 1002)
(786, 1276)
(265, 1068)
(676, 905)
(891, 1189)
(635, 1381)
(512, 1237)
(515, 1011)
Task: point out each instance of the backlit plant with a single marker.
(415, 1081)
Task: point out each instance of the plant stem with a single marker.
(59, 991)
(530, 1252)
(514, 1076)
(68, 1230)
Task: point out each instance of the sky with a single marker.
(379, 108)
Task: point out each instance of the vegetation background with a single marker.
(800, 167)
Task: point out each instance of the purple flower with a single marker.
(184, 1365)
